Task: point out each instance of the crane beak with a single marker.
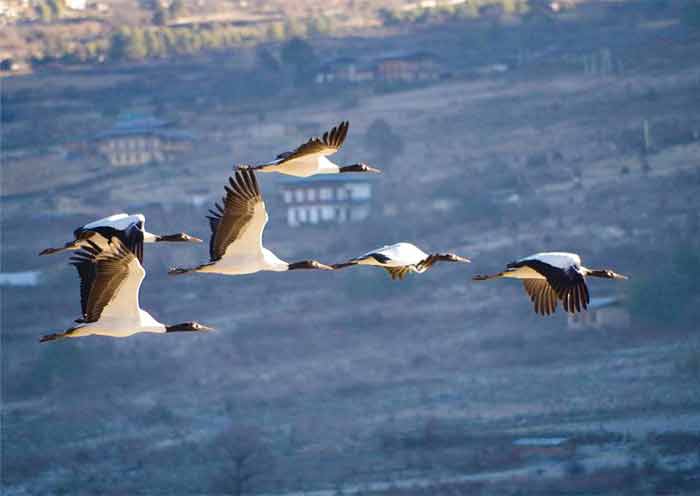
(619, 276)
(203, 328)
(462, 259)
(193, 239)
(372, 169)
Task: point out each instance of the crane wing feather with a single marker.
(568, 285)
(110, 280)
(328, 144)
(542, 295)
(131, 236)
(240, 222)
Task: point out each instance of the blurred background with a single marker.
(503, 127)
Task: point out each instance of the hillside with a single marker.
(348, 382)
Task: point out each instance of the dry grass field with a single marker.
(348, 382)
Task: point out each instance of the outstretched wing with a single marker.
(84, 262)
(542, 295)
(574, 295)
(110, 280)
(131, 236)
(568, 284)
(239, 224)
(329, 143)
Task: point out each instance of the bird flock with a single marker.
(108, 253)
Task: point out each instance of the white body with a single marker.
(305, 166)
(119, 327)
(399, 254)
(116, 221)
(246, 255)
(558, 259)
(121, 222)
(238, 264)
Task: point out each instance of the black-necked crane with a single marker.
(235, 247)
(310, 158)
(110, 280)
(129, 229)
(552, 276)
(401, 259)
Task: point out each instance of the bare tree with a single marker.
(244, 455)
(383, 142)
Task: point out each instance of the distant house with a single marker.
(28, 278)
(418, 66)
(603, 313)
(344, 70)
(8, 65)
(326, 199)
(395, 68)
(137, 140)
(550, 6)
(12, 65)
(76, 4)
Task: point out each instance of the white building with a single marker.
(326, 199)
(76, 4)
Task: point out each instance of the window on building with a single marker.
(359, 213)
(325, 194)
(342, 214)
(360, 191)
(301, 214)
(292, 218)
(341, 194)
(313, 215)
(327, 213)
(287, 195)
(299, 195)
(311, 195)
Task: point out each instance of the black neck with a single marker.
(428, 261)
(183, 327)
(171, 237)
(437, 257)
(352, 168)
(304, 264)
(604, 273)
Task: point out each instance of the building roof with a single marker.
(128, 124)
(341, 61)
(540, 441)
(321, 179)
(345, 62)
(413, 56)
(371, 62)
